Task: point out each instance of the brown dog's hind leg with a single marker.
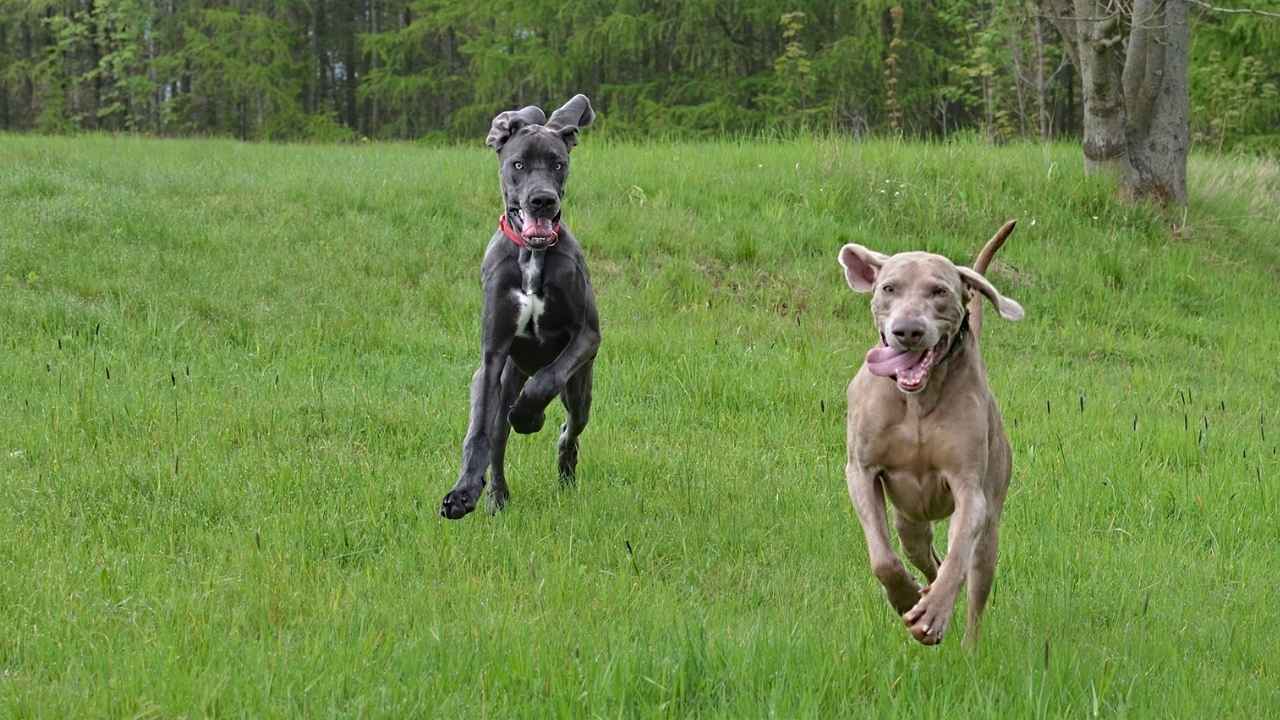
(917, 543)
(981, 575)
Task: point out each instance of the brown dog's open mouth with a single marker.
(909, 369)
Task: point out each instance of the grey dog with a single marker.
(539, 330)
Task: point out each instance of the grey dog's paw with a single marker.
(525, 422)
(457, 504)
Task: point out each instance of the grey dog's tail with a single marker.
(980, 264)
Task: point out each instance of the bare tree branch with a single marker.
(1066, 62)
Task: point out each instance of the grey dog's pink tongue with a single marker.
(884, 361)
(537, 227)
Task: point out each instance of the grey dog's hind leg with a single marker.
(577, 404)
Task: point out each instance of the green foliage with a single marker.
(405, 68)
(62, 74)
(1234, 79)
(1231, 105)
(328, 70)
(245, 76)
(794, 75)
(119, 27)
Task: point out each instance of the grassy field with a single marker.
(233, 389)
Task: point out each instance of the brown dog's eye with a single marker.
(517, 165)
(888, 289)
(939, 291)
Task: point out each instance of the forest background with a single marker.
(438, 70)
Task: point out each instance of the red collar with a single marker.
(505, 226)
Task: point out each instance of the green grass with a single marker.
(234, 388)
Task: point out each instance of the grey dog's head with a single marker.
(533, 157)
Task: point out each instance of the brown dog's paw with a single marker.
(927, 621)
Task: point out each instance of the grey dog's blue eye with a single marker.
(559, 166)
(517, 165)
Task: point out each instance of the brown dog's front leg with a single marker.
(928, 620)
(867, 494)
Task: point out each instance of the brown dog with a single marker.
(924, 429)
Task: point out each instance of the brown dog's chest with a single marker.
(919, 496)
(914, 456)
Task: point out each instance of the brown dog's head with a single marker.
(918, 302)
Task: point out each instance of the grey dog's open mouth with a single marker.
(538, 232)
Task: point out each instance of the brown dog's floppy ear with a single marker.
(860, 266)
(572, 117)
(507, 123)
(1008, 308)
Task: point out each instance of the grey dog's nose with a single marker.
(542, 201)
(908, 331)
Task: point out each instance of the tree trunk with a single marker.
(320, 91)
(94, 59)
(1158, 131)
(28, 83)
(4, 84)
(1041, 93)
(1136, 104)
(1099, 49)
(351, 74)
(1015, 55)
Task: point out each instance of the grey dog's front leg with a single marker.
(512, 380)
(477, 447)
(527, 415)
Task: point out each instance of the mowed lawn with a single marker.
(233, 389)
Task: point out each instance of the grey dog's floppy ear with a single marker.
(572, 117)
(507, 123)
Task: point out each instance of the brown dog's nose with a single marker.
(908, 331)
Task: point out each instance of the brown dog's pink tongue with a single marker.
(537, 227)
(884, 361)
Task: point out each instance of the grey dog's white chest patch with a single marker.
(529, 300)
(529, 309)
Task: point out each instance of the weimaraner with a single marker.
(924, 429)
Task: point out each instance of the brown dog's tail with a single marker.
(980, 264)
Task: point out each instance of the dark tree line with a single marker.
(409, 69)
